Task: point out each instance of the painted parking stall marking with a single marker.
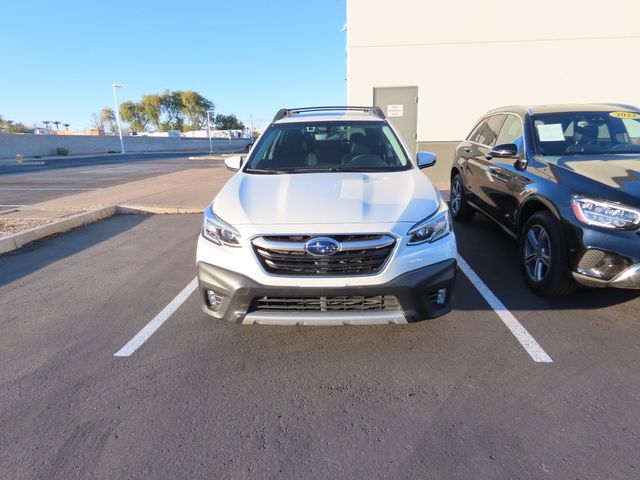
(529, 343)
(143, 335)
(532, 347)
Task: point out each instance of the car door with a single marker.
(464, 152)
(504, 180)
(479, 162)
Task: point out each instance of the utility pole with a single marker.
(115, 97)
(209, 133)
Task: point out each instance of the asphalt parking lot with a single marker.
(27, 184)
(458, 397)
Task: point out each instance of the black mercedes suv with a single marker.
(564, 180)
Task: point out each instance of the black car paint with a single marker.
(509, 190)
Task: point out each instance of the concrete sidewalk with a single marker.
(186, 191)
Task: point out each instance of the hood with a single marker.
(328, 198)
(620, 172)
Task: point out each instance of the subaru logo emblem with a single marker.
(322, 246)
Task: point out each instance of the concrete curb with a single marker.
(158, 210)
(20, 239)
(207, 157)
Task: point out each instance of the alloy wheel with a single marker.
(456, 196)
(537, 253)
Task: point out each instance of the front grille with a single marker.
(590, 259)
(379, 303)
(359, 255)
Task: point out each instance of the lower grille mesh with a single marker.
(327, 304)
(590, 259)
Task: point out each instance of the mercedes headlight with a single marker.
(218, 231)
(432, 228)
(601, 213)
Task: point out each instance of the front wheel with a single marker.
(460, 209)
(543, 257)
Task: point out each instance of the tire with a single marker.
(543, 257)
(460, 209)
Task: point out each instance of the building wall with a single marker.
(468, 57)
(44, 145)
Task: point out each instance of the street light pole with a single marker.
(209, 133)
(115, 98)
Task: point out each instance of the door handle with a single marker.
(495, 173)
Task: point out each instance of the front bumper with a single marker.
(628, 278)
(413, 290)
(620, 265)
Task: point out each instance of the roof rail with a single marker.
(624, 105)
(504, 107)
(285, 112)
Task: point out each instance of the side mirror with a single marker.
(426, 159)
(506, 150)
(520, 164)
(234, 163)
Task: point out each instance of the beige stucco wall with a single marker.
(45, 145)
(468, 57)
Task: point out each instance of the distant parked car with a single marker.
(563, 180)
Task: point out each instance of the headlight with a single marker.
(219, 231)
(431, 228)
(605, 214)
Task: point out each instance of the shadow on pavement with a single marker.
(37, 255)
(494, 257)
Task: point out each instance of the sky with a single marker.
(59, 58)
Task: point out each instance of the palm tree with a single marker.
(66, 126)
(57, 124)
(46, 124)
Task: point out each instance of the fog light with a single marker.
(439, 297)
(214, 299)
(608, 266)
(442, 296)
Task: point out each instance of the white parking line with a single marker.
(529, 343)
(29, 189)
(515, 327)
(151, 327)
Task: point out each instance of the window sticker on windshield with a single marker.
(550, 133)
(624, 115)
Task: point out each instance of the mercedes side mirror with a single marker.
(506, 150)
(426, 159)
(520, 163)
(234, 163)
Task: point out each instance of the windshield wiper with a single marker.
(312, 170)
(268, 171)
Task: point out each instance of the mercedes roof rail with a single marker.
(624, 105)
(505, 107)
(285, 112)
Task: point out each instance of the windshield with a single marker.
(577, 133)
(328, 146)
